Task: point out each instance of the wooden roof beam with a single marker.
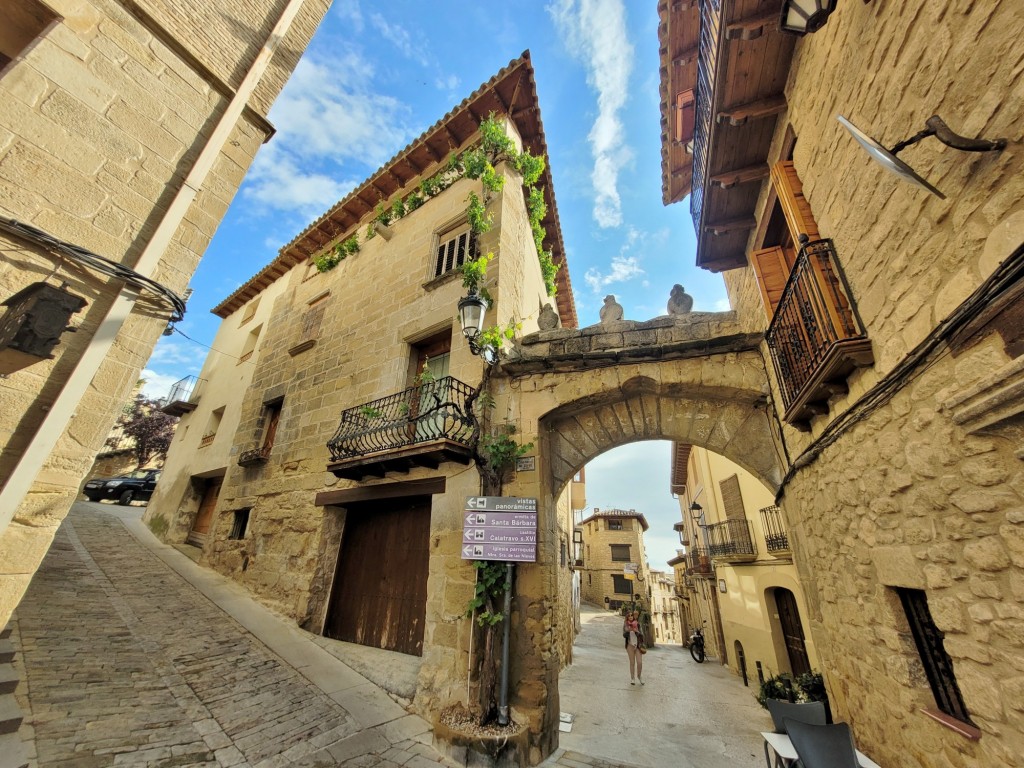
(753, 26)
(739, 114)
(686, 55)
(727, 226)
(728, 179)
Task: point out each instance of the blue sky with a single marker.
(377, 75)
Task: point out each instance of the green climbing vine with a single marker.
(479, 163)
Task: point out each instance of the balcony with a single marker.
(731, 541)
(700, 563)
(254, 457)
(421, 426)
(814, 339)
(776, 540)
(183, 397)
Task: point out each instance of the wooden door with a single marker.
(380, 585)
(201, 526)
(792, 631)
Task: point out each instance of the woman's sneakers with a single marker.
(641, 681)
(633, 682)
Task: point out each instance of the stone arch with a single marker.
(733, 423)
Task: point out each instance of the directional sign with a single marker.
(516, 553)
(500, 535)
(502, 528)
(501, 504)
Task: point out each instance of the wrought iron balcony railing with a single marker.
(814, 339)
(731, 540)
(700, 562)
(255, 456)
(426, 413)
(707, 66)
(776, 540)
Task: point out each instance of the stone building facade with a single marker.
(126, 130)
(613, 541)
(350, 518)
(903, 483)
(664, 609)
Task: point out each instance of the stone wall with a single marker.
(102, 118)
(923, 487)
(598, 566)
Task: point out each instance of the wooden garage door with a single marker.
(380, 585)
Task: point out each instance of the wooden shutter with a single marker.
(685, 115)
(732, 499)
(772, 271)
(790, 193)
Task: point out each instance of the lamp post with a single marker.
(802, 16)
(471, 316)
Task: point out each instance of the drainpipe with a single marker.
(63, 409)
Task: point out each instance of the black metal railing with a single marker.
(255, 456)
(432, 411)
(183, 389)
(707, 66)
(813, 314)
(775, 537)
(700, 562)
(731, 538)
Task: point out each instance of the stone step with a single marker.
(12, 751)
(6, 632)
(8, 679)
(6, 651)
(10, 715)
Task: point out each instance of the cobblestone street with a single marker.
(125, 662)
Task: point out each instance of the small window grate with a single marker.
(453, 252)
(620, 553)
(938, 666)
(621, 585)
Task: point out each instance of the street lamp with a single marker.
(697, 513)
(471, 316)
(802, 16)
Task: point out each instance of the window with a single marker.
(271, 418)
(211, 427)
(453, 248)
(250, 310)
(23, 22)
(620, 553)
(621, 585)
(590, 579)
(614, 525)
(250, 344)
(240, 524)
(564, 556)
(938, 667)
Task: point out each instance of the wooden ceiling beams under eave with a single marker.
(678, 47)
(748, 100)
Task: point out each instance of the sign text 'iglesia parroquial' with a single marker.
(502, 528)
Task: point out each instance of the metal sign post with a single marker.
(502, 529)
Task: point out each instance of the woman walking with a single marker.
(634, 642)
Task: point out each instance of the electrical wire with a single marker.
(94, 261)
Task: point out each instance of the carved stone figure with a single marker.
(548, 319)
(679, 301)
(611, 311)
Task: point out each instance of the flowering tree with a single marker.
(150, 430)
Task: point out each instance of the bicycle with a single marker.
(697, 645)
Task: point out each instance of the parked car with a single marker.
(137, 485)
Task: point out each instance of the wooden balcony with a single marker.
(420, 426)
(731, 542)
(814, 339)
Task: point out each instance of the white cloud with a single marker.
(327, 116)
(157, 385)
(178, 354)
(595, 32)
(350, 14)
(623, 266)
(400, 38)
(722, 305)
